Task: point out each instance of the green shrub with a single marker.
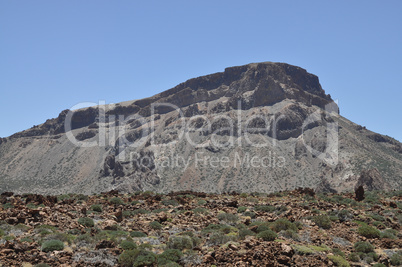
(201, 202)
(62, 237)
(226, 229)
(241, 209)
(22, 227)
(44, 232)
(228, 217)
(290, 234)
(303, 250)
(127, 213)
(265, 208)
(135, 202)
(128, 257)
(364, 247)
(339, 252)
(372, 198)
(245, 232)
(81, 197)
(373, 256)
(87, 238)
(221, 238)
(137, 257)
(283, 224)
(96, 207)
(170, 202)
(368, 231)
(180, 242)
(243, 195)
(112, 234)
(87, 222)
(262, 228)
(322, 221)
(250, 214)
(389, 233)
(354, 257)
(298, 224)
(315, 211)
(2, 232)
(194, 238)
(170, 264)
(62, 197)
(155, 225)
(8, 206)
(339, 261)
(201, 210)
(116, 201)
(378, 224)
(137, 234)
(377, 217)
(31, 206)
(169, 255)
(52, 245)
(211, 228)
(42, 265)
(267, 235)
(320, 248)
(379, 265)
(140, 211)
(126, 245)
(26, 239)
(9, 237)
(345, 215)
(396, 259)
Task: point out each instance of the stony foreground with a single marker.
(297, 228)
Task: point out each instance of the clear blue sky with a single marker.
(55, 54)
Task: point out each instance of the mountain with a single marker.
(260, 127)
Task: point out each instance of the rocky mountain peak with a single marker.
(260, 127)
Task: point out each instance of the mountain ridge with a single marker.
(286, 106)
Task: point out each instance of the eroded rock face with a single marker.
(372, 180)
(271, 115)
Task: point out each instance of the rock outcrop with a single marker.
(372, 180)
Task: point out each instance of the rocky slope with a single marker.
(297, 228)
(256, 128)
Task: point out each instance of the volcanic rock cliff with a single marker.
(260, 127)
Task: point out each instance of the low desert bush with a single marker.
(155, 225)
(241, 209)
(127, 245)
(322, 221)
(245, 232)
(228, 217)
(169, 255)
(116, 201)
(396, 259)
(180, 242)
(87, 222)
(354, 257)
(137, 257)
(364, 247)
(339, 261)
(52, 245)
(96, 207)
(267, 235)
(369, 231)
(137, 234)
(283, 225)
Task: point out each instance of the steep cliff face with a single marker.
(259, 127)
